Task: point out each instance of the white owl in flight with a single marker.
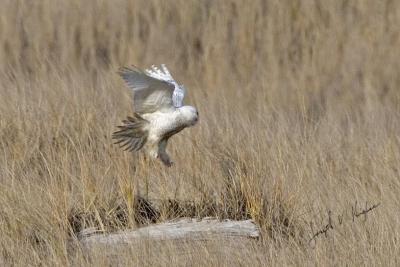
(159, 112)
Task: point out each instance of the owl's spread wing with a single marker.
(150, 94)
(163, 74)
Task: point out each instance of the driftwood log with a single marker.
(184, 229)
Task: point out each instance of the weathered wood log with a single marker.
(188, 229)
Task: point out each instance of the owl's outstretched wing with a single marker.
(150, 94)
(163, 74)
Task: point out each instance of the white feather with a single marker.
(163, 74)
(158, 98)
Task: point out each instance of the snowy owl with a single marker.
(159, 112)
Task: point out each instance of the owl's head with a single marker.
(190, 115)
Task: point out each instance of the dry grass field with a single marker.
(299, 106)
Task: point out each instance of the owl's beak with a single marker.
(195, 120)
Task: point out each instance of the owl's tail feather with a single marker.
(132, 135)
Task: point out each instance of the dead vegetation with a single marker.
(299, 115)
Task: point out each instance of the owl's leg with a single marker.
(152, 149)
(162, 153)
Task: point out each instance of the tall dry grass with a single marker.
(299, 107)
